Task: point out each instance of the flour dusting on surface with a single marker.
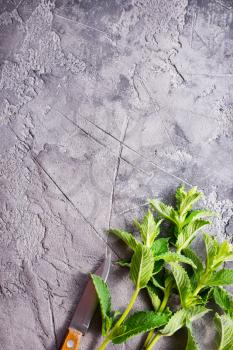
(224, 210)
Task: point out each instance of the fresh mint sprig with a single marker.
(190, 291)
(143, 267)
(166, 265)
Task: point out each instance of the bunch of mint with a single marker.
(166, 265)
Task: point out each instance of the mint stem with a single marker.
(104, 344)
(154, 341)
(121, 320)
(161, 309)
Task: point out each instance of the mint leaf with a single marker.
(182, 317)
(196, 312)
(149, 229)
(152, 291)
(224, 327)
(137, 323)
(126, 237)
(224, 253)
(191, 342)
(107, 322)
(189, 253)
(189, 232)
(197, 214)
(211, 249)
(164, 211)
(171, 257)
(185, 200)
(156, 283)
(206, 295)
(160, 246)
(158, 266)
(182, 281)
(142, 265)
(104, 300)
(223, 277)
(180, 195)
(224, 300)
(176, 322)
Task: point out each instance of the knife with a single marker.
(86, 308)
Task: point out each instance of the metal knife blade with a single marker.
(88, 302)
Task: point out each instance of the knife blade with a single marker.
(85, 309)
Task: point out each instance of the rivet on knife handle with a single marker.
(72, 340)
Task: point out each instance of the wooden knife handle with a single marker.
(72, 340)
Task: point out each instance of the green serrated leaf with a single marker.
(164, 211)
(217, 253)
(223, 277)
(180, 195)
(195, 277)
(198, 214)
(158, 266)
(211, 249)
(191, 342)
(142, 265)
(149, 228)
(185, 200)
(189, 253)
(106, 324)
(224, 253)
(226, 250)
(195, 312)
(171, 257)
(176, 322)
(155, 300)
(123, 262)
(206, 295)
(104, 300)
(182, 317)
(182, 281)
(156, 283)
(160, 246)
(142, 321)
(126, 237)
(224, 299)
(224, 326)
(189, 232)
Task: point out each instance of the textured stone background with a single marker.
(103, 105)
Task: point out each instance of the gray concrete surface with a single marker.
(103, 105)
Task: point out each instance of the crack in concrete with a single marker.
(131, 149)
(134, 85)
(66, 197)
(117, 170)
(102, 144)
(53, 265)
(74, 206)
(176, 69)
(83, 130)
(107, 35)
(19, 3)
